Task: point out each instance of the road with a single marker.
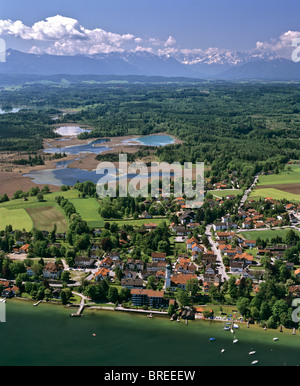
(246, 193)
(215, 249)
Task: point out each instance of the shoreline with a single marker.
(12, 176)
(158, 314)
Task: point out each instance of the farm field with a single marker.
(291, 176)
(45, 217)
(32, 213)
(275, 194)
(285, 185)
(88, 210)
(17, 218)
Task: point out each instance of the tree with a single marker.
(151, 282)
(192, 286)
(182, 297)
(65, 295)
(113, 294)
(40, 197)
(280, 307)
(243, 306)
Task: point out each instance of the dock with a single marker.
(79, 311)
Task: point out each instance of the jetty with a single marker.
(79, 311)
(81, 305)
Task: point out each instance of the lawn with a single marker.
(17, 218)
(88, 210)
(226, 192)
(265, 234)
(140, 221)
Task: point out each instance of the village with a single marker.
(203, 261)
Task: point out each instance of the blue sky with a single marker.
(230, 24)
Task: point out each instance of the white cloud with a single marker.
(282, 46)
(60, 35)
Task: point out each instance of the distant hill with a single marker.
(237, 66)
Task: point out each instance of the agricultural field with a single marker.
(17, 218)
(32, 213)
(285, 185)
(88, 210)
(46, 216)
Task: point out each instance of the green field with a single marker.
(140, 222)
(17, 218)
(275, 194)
(286, 177)
(280, 186)
(265, 234)
(32, 213)
(88, 210)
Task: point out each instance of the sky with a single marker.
(158, 26)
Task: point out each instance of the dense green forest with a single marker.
(246, 127)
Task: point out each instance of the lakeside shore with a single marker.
(257, 328)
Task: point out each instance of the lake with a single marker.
(63, 175)
(47, 335)
(151, 140)
(90, 147)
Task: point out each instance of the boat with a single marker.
(252, 352)
(235, 326)
(149, 316)
(275, 338)
(254, 362)
(212, 339)
(94, 334)
(178, 319)
(226, 328)
(223, 349)
(235, 340)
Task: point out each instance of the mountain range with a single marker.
(215, 65)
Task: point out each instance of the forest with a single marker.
(246, 127)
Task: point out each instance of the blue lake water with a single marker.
(91, 147)
(151, 140)
(63, 175)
